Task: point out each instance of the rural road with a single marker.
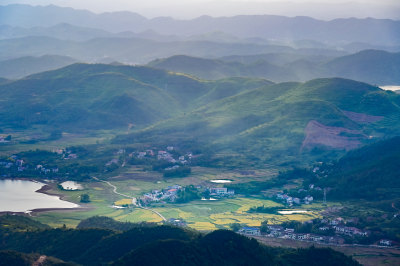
(134, 201)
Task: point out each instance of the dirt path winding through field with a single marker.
(134, 201)
(40, 261)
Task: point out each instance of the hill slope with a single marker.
(152, 244)
(84, 96)
(285, 121)
(216, 69)
(372, 66)
(371, 172)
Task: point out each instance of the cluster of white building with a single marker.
(293, 200)
(221, 191)
(168, 194)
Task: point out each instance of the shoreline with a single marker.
(45, 190)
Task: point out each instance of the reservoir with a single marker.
(21, 196)
(221, 181)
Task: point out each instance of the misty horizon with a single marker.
(322, 10)
(200, 132)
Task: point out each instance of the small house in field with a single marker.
(385, 242)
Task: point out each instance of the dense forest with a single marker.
(371, 172)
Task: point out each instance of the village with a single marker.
(171, 194)
(329, 231)
(290, 201)
(15, 164)
(166, 155)
(300, 196)
(335, 231)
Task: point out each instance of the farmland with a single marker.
(200, 214)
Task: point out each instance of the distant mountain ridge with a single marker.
(24, 66)
(62, 31)
(133, 50)
(385, 32)
(371, 66)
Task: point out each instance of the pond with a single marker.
(221, 181)
(21, 196)
(208, 199)
(71, 185)
(292, 212)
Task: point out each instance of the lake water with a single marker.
(71, 185)
(21, 196)
(292, 212)
(390, 88)
(221, 181)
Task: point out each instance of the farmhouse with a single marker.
(385, 242)
(221, 191)
(308, 199)
(250, 231)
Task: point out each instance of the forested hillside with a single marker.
(285, 121)
(152, 244)
(372, 173)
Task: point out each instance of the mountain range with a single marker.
(371, 66)
(385, 32)
(246, 116)
(27, 65)
(134, 50)
(289, 48)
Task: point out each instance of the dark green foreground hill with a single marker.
(145, 244)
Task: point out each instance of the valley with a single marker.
(243, 140)
(209, 133)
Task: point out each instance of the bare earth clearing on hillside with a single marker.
(319, 134)
(362, 118)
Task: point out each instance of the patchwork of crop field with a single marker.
(200, 215)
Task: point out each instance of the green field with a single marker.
(201, 215)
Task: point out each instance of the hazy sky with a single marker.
(325, 9)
